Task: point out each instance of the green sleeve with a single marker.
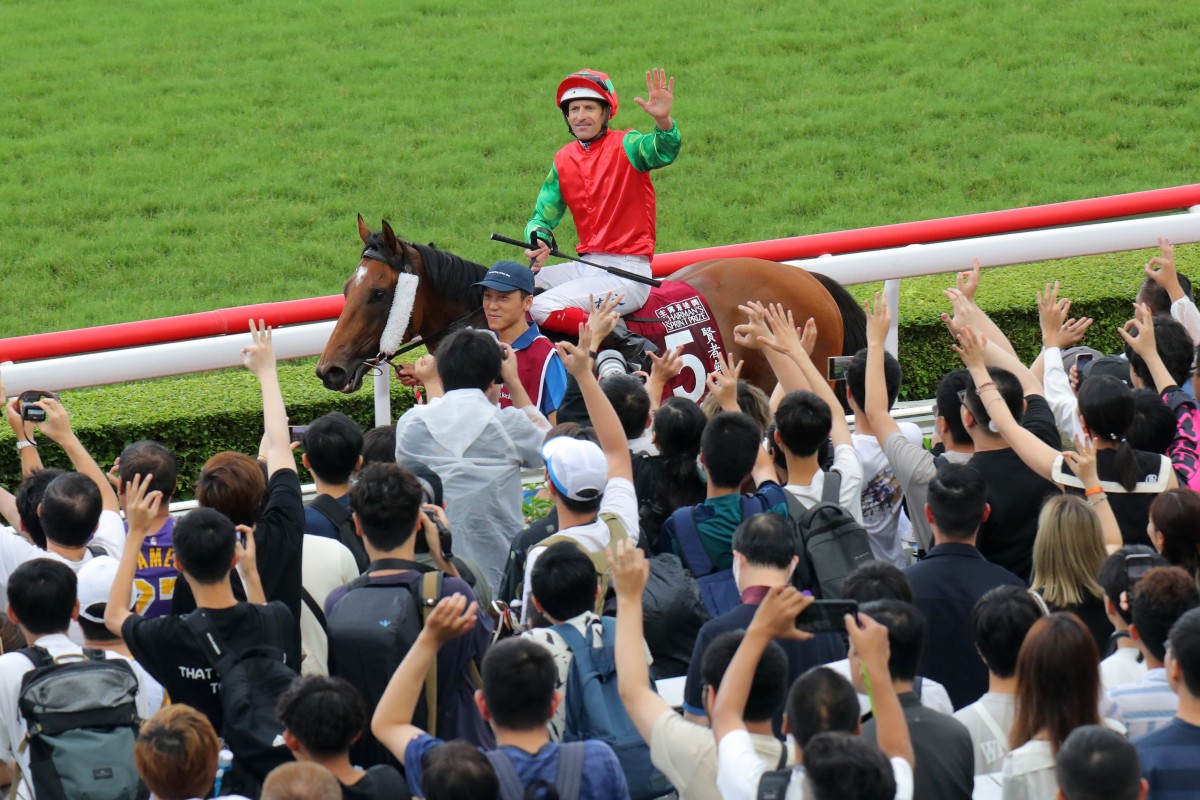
(550, 206)
(649, 151)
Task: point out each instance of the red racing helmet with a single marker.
(587, 83)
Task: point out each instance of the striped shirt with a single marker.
(1143, 706)
(1169, 760)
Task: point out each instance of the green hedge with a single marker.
(194, 415)
(1101, 287)
(198, 415)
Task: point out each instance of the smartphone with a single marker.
(826, 616)
(1137, 565)
(297, 432)
(1082, 361)
(836, 370)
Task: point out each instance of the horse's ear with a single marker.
(389, 237)
(363, 230)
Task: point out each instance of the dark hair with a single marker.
(564, 581)
(906, 629)
(29, 497)
(841, 766)
(1106, 406)
(1161, 596)
(1010, 391)
(1176, 515)
(379, 445)
(1185, 648)
(629, 399)
(765, 540)
(234, 484)
(468, 359)
(1174, 347)
(730, 446)
(803, 421)
(205, 540)
(819, 701)
(999, 622)
(458, 770)
(877, 580)
(1156, 296)
(333, 443)
(148, 457)
(856, 377)
(386, 499)
(71, 507)
(1154, 426)
(1058, 680)
(519, 677)
(1095, 763)
(42, 594)
(1112, 574)
(96, 631)
(678, 425)
(957, 499)
(948, 404)
(326, 715)
(769, 685)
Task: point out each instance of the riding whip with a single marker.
(621, 273)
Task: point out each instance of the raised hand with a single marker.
(666, 366)
(783, 336)
(1052, 314)
(1142, 340)
(1166, 275)
(604, 315)
(1083, 461)
(1073, 330)
(450, 619)
(963, 308)
(879, 320)
(970, 348)
(747, 334)
(424, 369)
(808, 339)
(57, 425)
(141, 505)
(967, 282)
(575, 357)
(246, 549)
(661, 93)
(724, 384)
(776, 617)
(259, 355)
(869, 640)
(630, 570)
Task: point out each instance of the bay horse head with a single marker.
(436, 287)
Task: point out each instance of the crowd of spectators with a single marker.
(1021, 617)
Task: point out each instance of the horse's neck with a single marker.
(435, 309)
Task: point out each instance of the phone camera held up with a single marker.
(836, 371)
(826, 616)
(25, 404)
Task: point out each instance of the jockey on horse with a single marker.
(603, 178)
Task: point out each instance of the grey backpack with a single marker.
(81, 713)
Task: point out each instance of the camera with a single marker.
(296, 433)
(610, 362)
(30, 412)
(836, 370)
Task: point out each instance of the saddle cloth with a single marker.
(677, 315)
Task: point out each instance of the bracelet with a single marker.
(22, 444)
(593, 355)
(1094, 490)
(1097, 500)
(985, 385)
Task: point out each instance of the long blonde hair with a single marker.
(1068, 552)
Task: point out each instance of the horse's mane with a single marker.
(449, 275)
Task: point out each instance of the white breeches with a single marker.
(569, 285)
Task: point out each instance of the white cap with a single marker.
(580, 93)
(96, 579)
(577, 468)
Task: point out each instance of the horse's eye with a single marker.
(377, 295)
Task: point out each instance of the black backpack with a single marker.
(250, 685)
(371, 628)
(830, 542)
(81, 714)
(339, 515)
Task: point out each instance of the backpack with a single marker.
(773, 784)
(829, 541)
(371, 628)
(717, 588)
(339, 515)
(567, 780)
(250, 685)
(595, 711)
(81, 713)
(616, 533)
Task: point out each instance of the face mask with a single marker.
(701, 471)
(737, 574)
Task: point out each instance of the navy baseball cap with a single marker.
(506, 276)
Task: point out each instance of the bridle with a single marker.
(401, 264)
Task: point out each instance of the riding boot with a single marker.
(632, 346)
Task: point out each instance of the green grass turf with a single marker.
(161, 157)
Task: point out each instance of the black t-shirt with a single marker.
(279, 541)
(170, 653)
(1132, 509)
(382, 782)
(1091, 612)
(1016, 494)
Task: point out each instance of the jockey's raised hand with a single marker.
(661, 93)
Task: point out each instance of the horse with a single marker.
(446, 298)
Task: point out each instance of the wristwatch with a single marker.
(22, 444)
